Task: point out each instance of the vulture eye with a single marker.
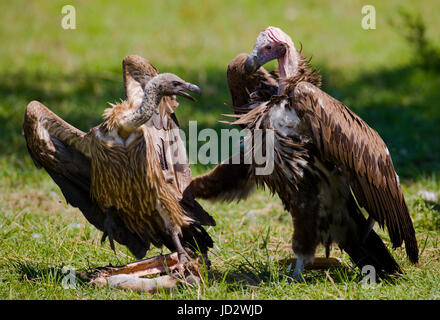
(268, 47)
(176, 83)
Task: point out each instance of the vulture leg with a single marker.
(318, 263)
(172, 230)
(183, 255)
(302, 262)
(299, 269)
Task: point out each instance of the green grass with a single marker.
(76, 72)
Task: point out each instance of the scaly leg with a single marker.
(318, 263)
(301, 262)
(299, 269)
(183, 255)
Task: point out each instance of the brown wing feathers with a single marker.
(344, 138)
(47, 137)
(261, 84)
(226, 182)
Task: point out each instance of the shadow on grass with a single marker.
(245, 275)
(434, 205)
(241, 277)
(35, 272)
(402, 104)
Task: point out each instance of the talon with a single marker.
(298, 277)
(109, 228)
(184, 257)
(104, 236)
(298, 273)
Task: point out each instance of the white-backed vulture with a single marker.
(328, 163)
(127, 175)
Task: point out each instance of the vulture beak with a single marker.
(190, 87)
(251, 64)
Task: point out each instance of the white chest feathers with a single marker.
(284, 119)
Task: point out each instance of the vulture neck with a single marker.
(287, 66)
(150, 101)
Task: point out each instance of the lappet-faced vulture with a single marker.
(328, 163)
(128, 174)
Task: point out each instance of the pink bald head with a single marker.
(276, 36)
(272, 43)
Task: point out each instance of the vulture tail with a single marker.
(196, 238)
(371, 250)
(409, 236)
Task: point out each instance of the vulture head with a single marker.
(272, 43)
(159, 86)
(168, 84)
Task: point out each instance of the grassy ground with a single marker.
(75, 72)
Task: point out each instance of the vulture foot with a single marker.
(184, 256)
(318, 263)
(298, 277)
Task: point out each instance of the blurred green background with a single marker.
(389, 76)
(75, 72)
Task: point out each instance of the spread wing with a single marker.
(344, 139)
(62, 151)
(226, 182)
(259, 86)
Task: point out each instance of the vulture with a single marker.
(127, 175)
(328, 163)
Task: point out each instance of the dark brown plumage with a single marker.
(323, 153)
(128, 174)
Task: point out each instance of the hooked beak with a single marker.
(251, 64)
(190, 87)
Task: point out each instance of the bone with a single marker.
(142, 268)
(135, 283)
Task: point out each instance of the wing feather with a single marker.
(261, 85)
(61, 150)
(344, 139)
